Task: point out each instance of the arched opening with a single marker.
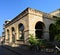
(39, 29)
(21, 31)
(52, 32)
(8, 34)
(13, 35)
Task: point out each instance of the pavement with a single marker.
(4, 51)
(20, 51)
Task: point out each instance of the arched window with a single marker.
(39, 29)
(52, 32)
(21, 31)
(13, 35)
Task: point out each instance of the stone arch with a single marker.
(13, 34)
(21, 31)
(8, 34)
(39, 27)
(52, 31)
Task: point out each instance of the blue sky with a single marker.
(11, 8)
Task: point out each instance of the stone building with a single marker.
(30, 21)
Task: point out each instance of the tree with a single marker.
(57, 36)
(58, 25)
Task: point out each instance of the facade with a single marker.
(30, 21)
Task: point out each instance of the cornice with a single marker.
(18, 17)
(22, 14)
(26, 12)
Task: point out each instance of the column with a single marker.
(10, 36)
(6, 36)
(46, 33)
(17, 33)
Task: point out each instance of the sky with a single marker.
(11, 8)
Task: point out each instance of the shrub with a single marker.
(57, 37)
(32, 40)
(35, 41)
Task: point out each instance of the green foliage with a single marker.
(57, 37)
(32, 40)
(58, 24)
(35, 41)
(42, 42)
